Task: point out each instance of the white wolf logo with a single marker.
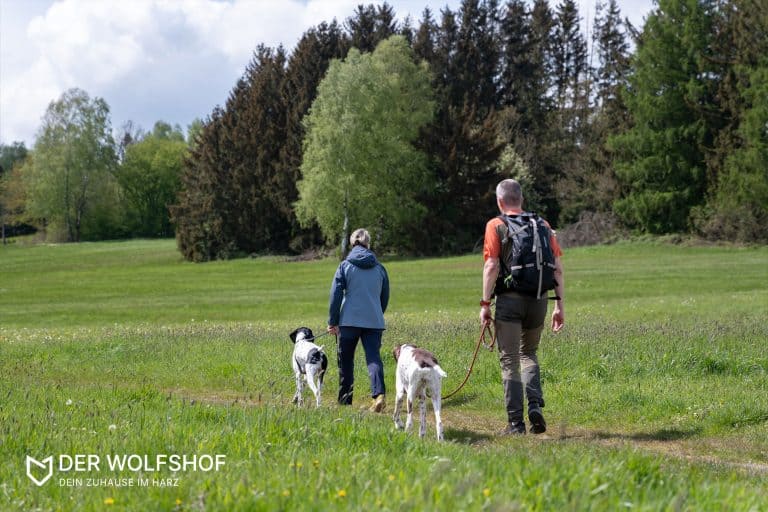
(46, 463)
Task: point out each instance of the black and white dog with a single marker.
(417, 372)
(310, 362)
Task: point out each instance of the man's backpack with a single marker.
(527, 260)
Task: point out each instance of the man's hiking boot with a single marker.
(379, 404)
(515, 428)
(538, 425)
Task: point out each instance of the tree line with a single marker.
(406, 127)
(78, 183)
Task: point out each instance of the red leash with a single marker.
(480, 341)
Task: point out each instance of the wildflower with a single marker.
(341, 494)
(391, 478)
(486, 492)
(109, 501)
(112, 427)
(316, 463)
(286, 493)
(178, 501)
(69, 401)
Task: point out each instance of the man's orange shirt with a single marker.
(492, 242)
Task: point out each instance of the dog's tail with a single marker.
(440, 370)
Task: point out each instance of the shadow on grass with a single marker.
(464, 436)
(665, 434)
(458, 400)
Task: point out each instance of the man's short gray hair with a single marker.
(360, 237)
(510, 192)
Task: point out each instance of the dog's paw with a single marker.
(399, 425)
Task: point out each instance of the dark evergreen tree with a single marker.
(239, 151)
(463, 140)
(425, 39)
(661, 161)
(590, 185)
(569, 55)
(737, 208)
(371, 24)
(204, 205)
(257, 136)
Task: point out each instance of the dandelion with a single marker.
(69, 401)
(486, 492)
(109, 501)
(286, 493)
(391, 478)
(341, 494)
(178, 502)
(316, 463)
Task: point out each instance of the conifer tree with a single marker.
(371, 24)
(660, 160)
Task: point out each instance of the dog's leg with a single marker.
(422, 412)
(298, 398)
(311, 373)
(436, 405)
(412, 393)
(400, 394)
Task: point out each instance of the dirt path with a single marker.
(481, 431)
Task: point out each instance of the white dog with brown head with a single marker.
(417, 372)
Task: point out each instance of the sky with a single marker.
(169, 60)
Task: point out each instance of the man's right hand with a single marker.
(485, 315)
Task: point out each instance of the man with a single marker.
(359, 298)
(519, 316)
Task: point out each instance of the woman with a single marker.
(359, 297)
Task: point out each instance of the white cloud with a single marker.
(149, 59)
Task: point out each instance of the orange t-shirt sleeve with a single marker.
(492, 242)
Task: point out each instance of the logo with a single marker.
(45, 465)
(150, 469)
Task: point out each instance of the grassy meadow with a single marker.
(656, 390)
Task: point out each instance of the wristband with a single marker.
(484, 303)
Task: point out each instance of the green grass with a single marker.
(657, 390)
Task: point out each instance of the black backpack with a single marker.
(527, 260)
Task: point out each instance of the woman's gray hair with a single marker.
(510, 192)
(360, 237)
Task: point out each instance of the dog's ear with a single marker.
(293, 335)
(321, 348)
(396, 352)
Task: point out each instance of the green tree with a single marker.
(360, 167)
(738, 210)
(71, 185)
(661, 160)
(736, 198)
(149, 179)
(10, 155)
(306, 67)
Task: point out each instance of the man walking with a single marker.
(520, 308)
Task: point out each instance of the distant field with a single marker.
(657, 390)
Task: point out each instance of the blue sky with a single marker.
(170, 60)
